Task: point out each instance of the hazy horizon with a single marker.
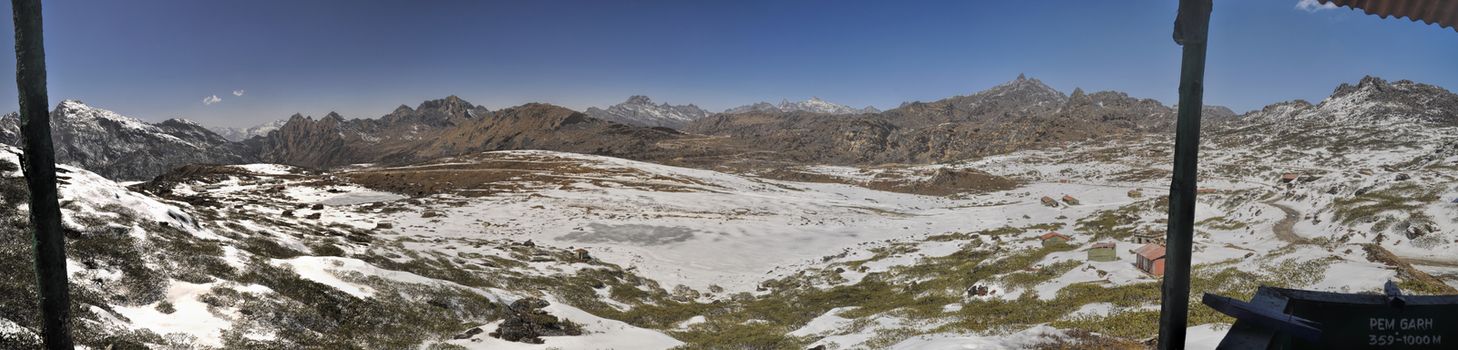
(242, 64)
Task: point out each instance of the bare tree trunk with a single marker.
(40, 175)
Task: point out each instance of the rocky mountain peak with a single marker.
(449, 104)
(1367, 83)
(1030, 87)
(638, 100)
(1078, 96)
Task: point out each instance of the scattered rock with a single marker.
(288, 213)
(317, 206)
(1415, 230)
(684, 293)
(469, 333)
(384, 225)
(1403, 177)
(314, 216)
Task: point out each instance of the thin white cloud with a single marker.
(238, 92)
(208, 101)
(1313, 6)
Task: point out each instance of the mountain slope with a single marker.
(121, 147)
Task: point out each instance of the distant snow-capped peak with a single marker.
(640, 110)
(240, 134)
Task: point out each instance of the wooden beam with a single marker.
(40, 175)
(1192, 25)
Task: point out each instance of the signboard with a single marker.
(1279, 318)
(1346, 326)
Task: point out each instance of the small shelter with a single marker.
(1136, 193)
(1070, 200)
(1150, 259)
(1052, 238)
(1048, 201)
(1289, 177)
(1103, 251)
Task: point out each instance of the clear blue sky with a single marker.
(160, 59)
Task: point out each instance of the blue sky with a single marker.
(159, 59)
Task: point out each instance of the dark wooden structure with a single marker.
(40, 175)
(1191, 27)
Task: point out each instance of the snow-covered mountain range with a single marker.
(239, 134)
(812, 105)
(639, 110)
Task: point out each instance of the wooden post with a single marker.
(40, 175)
(1191, 27)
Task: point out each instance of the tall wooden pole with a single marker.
(1191, 28)
(40, 175)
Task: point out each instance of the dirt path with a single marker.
(1429, 262)
(1285, 228)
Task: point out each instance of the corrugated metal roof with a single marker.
(1442, 12)
(1104, 245)
(1046, 236)
(1151, 251)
